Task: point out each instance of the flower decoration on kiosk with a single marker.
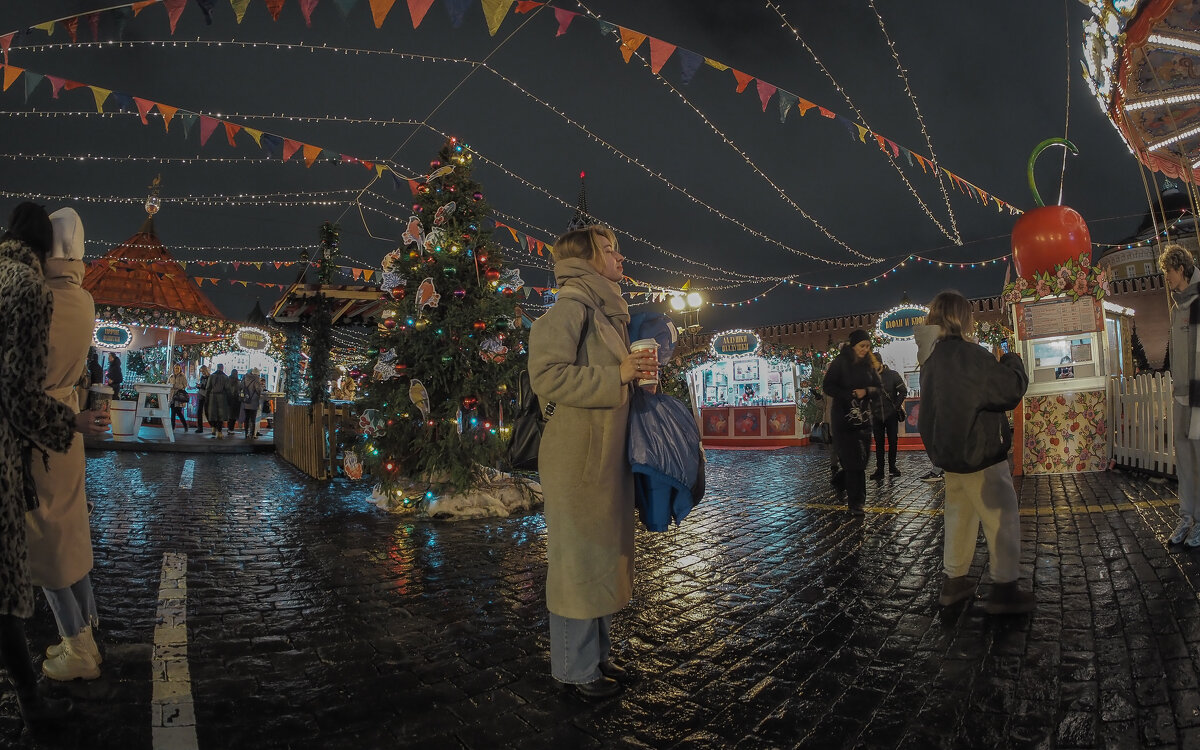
(1076, 278)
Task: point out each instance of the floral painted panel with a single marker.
(1065, 432)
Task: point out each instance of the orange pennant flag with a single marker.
(139, 7)
(368, 273)
(310, 154)
(743, 79)
(72, 27)
(11, 74)
(289, 148)
(660, 52)
(100, 95)
(230, 131)
(273, 7)
(143, 106)
(380, 9)
(356, 273)
(495, 11)
(417, 9)
(167, 113)
(630, 41)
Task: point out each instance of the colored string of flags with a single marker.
(494, 11)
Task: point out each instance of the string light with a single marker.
(954, 236)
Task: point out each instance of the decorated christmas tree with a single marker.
(445, 355)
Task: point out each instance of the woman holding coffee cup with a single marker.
(579, 360)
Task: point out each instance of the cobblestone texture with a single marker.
(771, 618)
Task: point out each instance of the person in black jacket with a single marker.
(887, 408)
(115, 377)
(851, 382)
(965, 393)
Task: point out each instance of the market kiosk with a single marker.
(744, 400)
(1070, 348)
(897, 328)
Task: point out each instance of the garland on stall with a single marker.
(224, 346)
(1076, 278)
(187, 322)
(320, 344)
(993, 334)
(291, 362)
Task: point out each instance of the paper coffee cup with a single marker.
(101, 395)
(643, 344)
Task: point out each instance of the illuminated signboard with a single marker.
(900, 322)
(112, 336)
(252, 339)
(738, 343)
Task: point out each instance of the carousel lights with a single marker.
(1175, 42)
(1162, 101)
(1174, 138)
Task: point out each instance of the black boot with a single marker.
(40, 713)
(878, 475)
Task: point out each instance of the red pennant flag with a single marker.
(72, 85)
(278, 265)
(306, 9)
(660, 52)
(414, 186)
(289, 148)
(94, 23)
(207, 126)
(380, 9)
(826, 113)
(5, 43)
(236, 263)
(274, 7)
(630, 41)
(524, 6)
(230, 131)
(370, 165)
(72, 26)
(174, 11)
(765, 92)
(743, 80)
(417, 9)
(356, 273)
(143, 107)
(564, 18)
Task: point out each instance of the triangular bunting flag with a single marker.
(277, 265)
(380, 9)
(123, 102)
(564, 18)
(272, 144)
(11, 74)
(174, 11)
(524, 6)
(457, 9)
(239, 8)
(379, 168)
(356, 273)
(850, 127)
(804, 105)
(274, 7)
(828, 113)
(345, 6)
(72, 27)
(230, 131)
(306, 9)
(255, 134)
(310, 154)
(100, 94)
(31, 81)
(236, 264)
(93, 20)
(207, 126)
(495, 11)
(368, 273)
(894, 146)
(5, 43)
(743, 79)
(786, 100)
(47, 27)
(630, 41)
(607, 28)
(167, 113)
(714, 64)
(881, 141)
(258, 265)
(689, 63)
(56, 85)
(862, 132)
(765, 92)
(143, 106)
(289, 148)
(370, 165)
(907, 155)
(140, 6)
(660, 52)
(188, 119)
(417, 9)
(414, 186)
(921, 161)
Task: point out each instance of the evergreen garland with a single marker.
(445, 358)
(291, 362)
(320, 343)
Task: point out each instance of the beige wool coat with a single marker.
(586, 478)
(58, 532)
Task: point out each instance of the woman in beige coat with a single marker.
(58, 533)
(579, 360)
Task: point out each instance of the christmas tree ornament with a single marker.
(493, 276)
(459, 293)
(372, 423)
(383, 371)
(458, 420)
(479, 326)
(427, 295)
(421, 324)
(493, 350)
(388, 356)
(502, 388)
(413, 232)
(398, 293)
(511, 279)
(478, 196)
(352, 465)
(389, 281)
(434, 240)
(419, 396)
(441, 171)
(449, 270)
(390, 260)
(443, 213)
(390, 324)
(469, 402)
(503, 324)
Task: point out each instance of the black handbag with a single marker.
(527, 428)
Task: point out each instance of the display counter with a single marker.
(751, 426)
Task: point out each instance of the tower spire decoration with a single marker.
(581, 218)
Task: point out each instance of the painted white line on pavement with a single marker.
(172, 714)
(189, 471)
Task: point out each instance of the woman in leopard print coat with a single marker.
(30, 422)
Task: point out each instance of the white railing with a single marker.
(1143, 433)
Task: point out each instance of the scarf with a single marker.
(579, 280)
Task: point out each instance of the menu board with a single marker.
(1060, 317)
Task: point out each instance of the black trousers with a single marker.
(14, 650)
(890, 428)
(177, 411)
(200, 414)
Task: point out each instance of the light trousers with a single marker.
(74, 607)
(577, 647)
(1187, 463)
(984, 497)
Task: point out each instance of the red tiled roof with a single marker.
(140, 273)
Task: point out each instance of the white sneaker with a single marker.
(1193, 539)
(1181, 531)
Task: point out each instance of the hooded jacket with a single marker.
(964, 394)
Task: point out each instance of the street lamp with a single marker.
(688, 305)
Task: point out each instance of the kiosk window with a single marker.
(1065, 358)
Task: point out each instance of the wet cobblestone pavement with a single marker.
(771, 618)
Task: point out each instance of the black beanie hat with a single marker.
(858, 335)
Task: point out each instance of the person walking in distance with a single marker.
(217, 395)
(114, 375)
(252, 389)
(1183, 280)
(852, 384)
(965, 393)
(233, 395)
(179, 396)
(202, 398)
(888, 409)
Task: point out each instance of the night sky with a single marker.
(991, 81)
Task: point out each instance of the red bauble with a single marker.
(460, 293)
(435, 163)
(478, 196)
(482, 258)
(492, 275)
(389, 323)
(479, 325)
(398, 292)
(1048, 236)
(469, 402)
(508, 291)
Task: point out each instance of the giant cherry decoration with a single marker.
(1048, 235)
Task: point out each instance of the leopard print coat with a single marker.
(27, 414)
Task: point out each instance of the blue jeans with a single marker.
(74, 607)
(1187, 463)
(577, 647)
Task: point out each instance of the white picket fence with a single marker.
(1143, 433)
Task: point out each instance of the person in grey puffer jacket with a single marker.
(964, 394)
(1183, 279)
